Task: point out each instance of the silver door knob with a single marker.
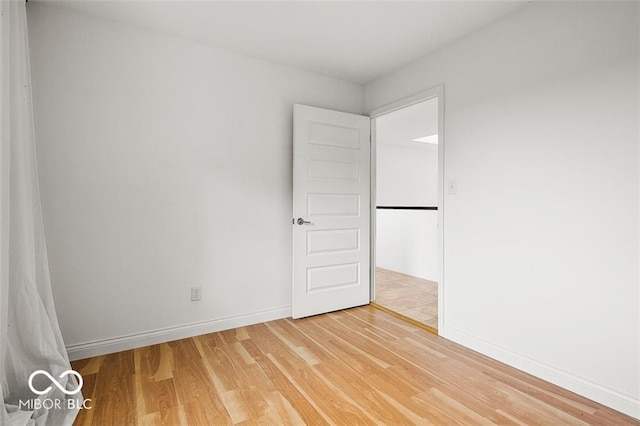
(301, 221)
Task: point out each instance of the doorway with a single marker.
(407, 191)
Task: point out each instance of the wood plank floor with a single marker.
(413, 297)
(359, 366)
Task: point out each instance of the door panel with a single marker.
(331, 202)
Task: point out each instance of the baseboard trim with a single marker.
(137, 340)
(613, 399)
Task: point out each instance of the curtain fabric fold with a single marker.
(30, 338)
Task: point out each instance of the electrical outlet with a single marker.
(196, 294)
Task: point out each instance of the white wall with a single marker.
(164, 164)
(407, 176)
(541, 240)
(407, 240)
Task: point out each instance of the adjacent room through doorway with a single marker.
(406, 244)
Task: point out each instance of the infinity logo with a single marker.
(55, 382)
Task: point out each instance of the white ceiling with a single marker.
(401, 127)
(352, 40)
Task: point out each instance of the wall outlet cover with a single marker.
(196, 294)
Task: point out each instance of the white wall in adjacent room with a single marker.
(541, 240)
(407, 240)
(164, 164)
(407, 175)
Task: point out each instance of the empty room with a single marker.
(319, 212)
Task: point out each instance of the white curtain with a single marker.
(30, 338)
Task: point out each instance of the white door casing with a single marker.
(331, 191)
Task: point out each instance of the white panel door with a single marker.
(331, 187)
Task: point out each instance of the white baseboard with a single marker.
(137, 340)
(608, 397)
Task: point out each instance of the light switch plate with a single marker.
(452, 187)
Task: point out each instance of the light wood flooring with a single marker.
(359, 366)
(413, 297)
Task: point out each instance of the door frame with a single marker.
(422, 96)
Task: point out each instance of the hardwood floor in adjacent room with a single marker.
(412, 297)
(358, 366)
